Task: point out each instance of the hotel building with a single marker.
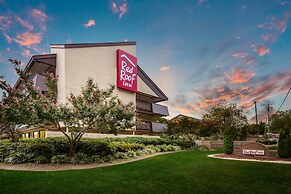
(107, 63)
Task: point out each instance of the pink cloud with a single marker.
(39, 14)
(261, 50)
(269, 38)
(246, 59)
(240, 55)
(28, 38)
(119, 9)
(279, 25)
(24, 23)
(123, 9)
(26, 53)
(165, 68)
(239, 75)
(114, 7)
(90, 23)
(5, 22)
(8, 38)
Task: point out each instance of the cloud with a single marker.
(28, 38)
(165, 68)
(269, 38)
(261, 50)
(239, 75)
(26, 53)
(244, 94)
(278, 25)
(8, 38)
(281, 25)
(119, 9)
(246, 59)
(24, 23)
(5, 22)
(39, 15)
(89, 23)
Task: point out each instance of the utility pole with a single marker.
(269, 122)
(256, 112)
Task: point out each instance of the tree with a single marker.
(94, 109)
(185, 128)
(284, 145)
(280, 120)
(227, 115)
(14, 106)
(228, 140)
(257, 129)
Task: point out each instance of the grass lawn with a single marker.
(183, 172)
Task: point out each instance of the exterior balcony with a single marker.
(39, 82)
(152, 108)
(151, 126)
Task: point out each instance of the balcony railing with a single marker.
(151, 126)
(144, 105)
(158, 127)
(144, 125)
(160, 109)
(152, 107)
(39, 82)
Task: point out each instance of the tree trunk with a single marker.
(73, 145)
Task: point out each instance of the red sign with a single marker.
(126, 71)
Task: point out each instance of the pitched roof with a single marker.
(47, 59)
(183, 116)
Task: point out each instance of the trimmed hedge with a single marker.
(54, 150)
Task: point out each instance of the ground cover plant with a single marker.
(180, 172)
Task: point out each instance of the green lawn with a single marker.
(183, 172)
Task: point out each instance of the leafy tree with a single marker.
(280, 120)
(257, 129)
(226, 115)
(14, 106)
(185, 128)
(284, 145)
(94, 109)
(207, 128)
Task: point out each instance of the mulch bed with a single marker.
(261, 158)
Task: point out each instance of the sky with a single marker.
(197, 51)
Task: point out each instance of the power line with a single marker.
(284, 100)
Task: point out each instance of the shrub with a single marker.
(60, 146)
(59, 159)
(81, 158)
(97, 147)
(125, 146)
(121, 155)
(228, 141)
(267, 142)
(284, 145)
(131, 154)
(96, 159)
(108, 158)
(41, 160)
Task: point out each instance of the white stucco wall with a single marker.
(60, 73)
(76, 65)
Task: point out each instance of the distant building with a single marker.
(107, 63)
(179, 117)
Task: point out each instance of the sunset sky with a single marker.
(197, 51)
